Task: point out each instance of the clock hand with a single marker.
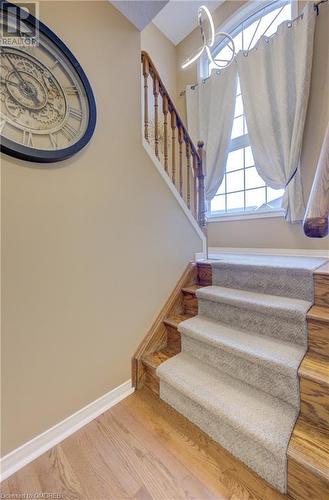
(3, 80)
(19, 76)
(8, 82)
(35, 99)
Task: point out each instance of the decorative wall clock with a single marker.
(47, 107)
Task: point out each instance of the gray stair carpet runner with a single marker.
(236, 376)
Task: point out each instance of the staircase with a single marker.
(167, 140)
(308, 450)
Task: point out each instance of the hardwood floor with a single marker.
(140, 449)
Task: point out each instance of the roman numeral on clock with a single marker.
(27, 139)
(71, 90)
(53, 141)
(75, 113)
(2, 124)
(69, 132)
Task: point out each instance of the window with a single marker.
(243, 190)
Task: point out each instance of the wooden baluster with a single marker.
(201, 188)
(180, 156)
(188, 172)
(165, 131)
(146, 72)
(195, 187)
(173, 145)
(156, 115)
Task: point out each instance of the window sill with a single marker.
(244, 216)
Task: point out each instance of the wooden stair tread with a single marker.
(310, 448)
(175, 320)
(155, 359)
(315, 368)
(319, 313)
(191, 289)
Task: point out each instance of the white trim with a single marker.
(294, 8)
(200, 256)
(241, 216)
(245, 12)
(296, 252)
(29, 451)
(176, 194)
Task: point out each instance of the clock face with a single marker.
(47, 109)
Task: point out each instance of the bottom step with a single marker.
(308, 463)
(252, 425)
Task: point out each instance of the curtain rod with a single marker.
(316, 7)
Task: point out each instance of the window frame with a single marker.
(246, 14)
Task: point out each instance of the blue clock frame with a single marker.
(50, 156)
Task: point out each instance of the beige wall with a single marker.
(163, 53)
(91, 246)
(274, 232)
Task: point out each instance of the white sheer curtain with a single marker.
(275, 82)
(210, 112)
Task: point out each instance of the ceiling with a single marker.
(139, 12)
(179, 17)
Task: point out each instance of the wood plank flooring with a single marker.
(140, 449)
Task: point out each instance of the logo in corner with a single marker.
(17, 28)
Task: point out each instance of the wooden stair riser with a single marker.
(173, 339)
(318, 337)
(314, 407)
(204, 274)
(156, 338)
(190, 304)
(308, 471)
(321, 290)
(303, 484)
(151, 381)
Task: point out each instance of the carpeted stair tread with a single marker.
(248, 410)
(274, 353)
(277, 275)
(288, 307)
(275, 262)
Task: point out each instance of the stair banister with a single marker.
(317, 211)
(183, 162)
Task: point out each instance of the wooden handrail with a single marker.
(317, 211)
(181, 159)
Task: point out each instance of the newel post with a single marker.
(201, 187)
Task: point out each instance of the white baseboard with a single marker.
(213, 252)
(29, 451)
